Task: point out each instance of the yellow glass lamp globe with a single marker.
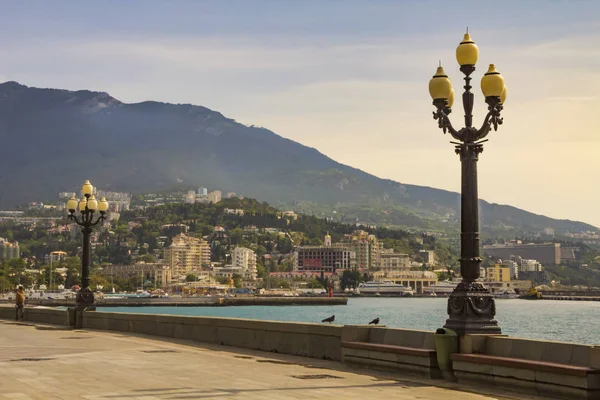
(87, 189)
(451, 99)
(82, 204)
(440, 86)
(467, 51)
(503, 96)
(92, 203)
(492, 83)
(103, 205)
(72, 204)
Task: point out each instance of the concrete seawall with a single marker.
(42, 315)
(308, 340)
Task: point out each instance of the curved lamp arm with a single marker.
(492, 119)
(99, 220)
(441, 115)
(85, 222)
(74, 218)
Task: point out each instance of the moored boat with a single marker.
(384, 288)
(444, 288)
(506, 294)
(531, 294)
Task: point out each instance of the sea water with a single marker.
(565, 321)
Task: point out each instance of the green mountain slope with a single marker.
(55, 138)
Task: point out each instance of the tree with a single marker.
(275, 283)
(191, 278)
(98, 280)
(57, 279)
(223, 280)
(236, 236)
(314, 284)
(238, 281)
(351, 279)
(261, 271)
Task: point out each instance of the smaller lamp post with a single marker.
(87, 206)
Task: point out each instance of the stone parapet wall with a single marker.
(41, 315)
(531, 349)
(302, 339)
(7, 312)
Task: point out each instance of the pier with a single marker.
(570, 298)
(197, 301)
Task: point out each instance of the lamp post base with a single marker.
(471, 310)
(85, 300)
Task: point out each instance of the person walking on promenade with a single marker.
(20, 302)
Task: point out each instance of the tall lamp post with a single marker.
(87, 207)
(471, 306)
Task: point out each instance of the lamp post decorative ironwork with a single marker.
(87, 207)
(471, 306)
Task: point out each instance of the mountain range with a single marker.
(53, 139)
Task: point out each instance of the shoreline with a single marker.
(198, 302)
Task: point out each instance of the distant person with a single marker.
(20, 302)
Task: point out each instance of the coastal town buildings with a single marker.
(214, 197)
(498, 273)
(366, 247)
(190, 197)
(323, 258)
(245, 260)
(9, 250)
(530, 266)
(359, 250)
(288, 214)
(390, 261)
(546, 253)
(157, 273)
(513, 266)
(186, 255)
(417, 280)
(428, 256)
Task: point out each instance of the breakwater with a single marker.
(199, 301)
(570, 298)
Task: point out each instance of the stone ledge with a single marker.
(551, 390)
(542, 366)
(387, 348)
(239, 323)
(389, 365)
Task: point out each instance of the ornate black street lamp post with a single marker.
(87, 206)
(471, 306)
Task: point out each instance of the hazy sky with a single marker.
(346, 77)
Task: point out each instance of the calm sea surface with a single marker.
(565, 321)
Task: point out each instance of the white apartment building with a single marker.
(187, 255)
(390, 261)
(530, 266)
(214, 197)
(245, 260)
(190, 197)
(514, 268)
(234, 211)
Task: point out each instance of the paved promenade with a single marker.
(48, 362)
